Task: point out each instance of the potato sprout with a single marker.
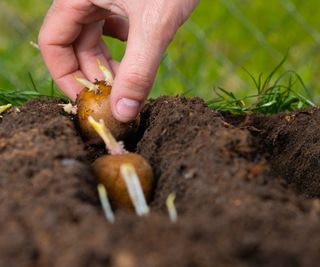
(173, 215)
(105, 203)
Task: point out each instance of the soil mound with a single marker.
(240, 190)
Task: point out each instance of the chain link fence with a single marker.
(225, 36)
(210, 50)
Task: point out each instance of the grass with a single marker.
(210, 51)
(17, 96)
(273, 94)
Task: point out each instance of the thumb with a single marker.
(137, 70)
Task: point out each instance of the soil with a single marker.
(246, 188)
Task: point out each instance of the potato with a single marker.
(96, 103)
(107, 170)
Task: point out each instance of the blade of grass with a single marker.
(269, 77)
(32, 82)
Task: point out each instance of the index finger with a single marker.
(60, 29)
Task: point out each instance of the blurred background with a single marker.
(211, 50)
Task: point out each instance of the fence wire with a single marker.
(229, 35)
(210, 50)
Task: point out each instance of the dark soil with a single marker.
(246, 190)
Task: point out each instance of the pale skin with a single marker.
(71, 42)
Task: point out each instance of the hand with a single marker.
(70, 41)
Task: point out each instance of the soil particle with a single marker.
(234, 198)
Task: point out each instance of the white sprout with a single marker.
(133, 184)
(173, 215)
(105, 203)
(91, 86)
(35, 45)
(114, 147)
(108, 77)
(69, 108)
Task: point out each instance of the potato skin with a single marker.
(97, 105)
(107, 170)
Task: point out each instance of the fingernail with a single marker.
(127, 108)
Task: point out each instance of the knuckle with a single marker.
(139, 81)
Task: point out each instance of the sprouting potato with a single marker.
(109, 171)
(95, 102)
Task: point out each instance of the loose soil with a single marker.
(246, 188)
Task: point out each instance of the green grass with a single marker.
(210, 51)
(17, 97)
(273, 95)
(23, 74)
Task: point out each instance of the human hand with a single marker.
(70, 42)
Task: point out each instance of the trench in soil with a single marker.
(246, 190)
